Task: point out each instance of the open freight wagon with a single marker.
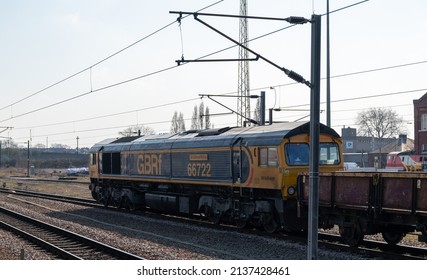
(366, 203)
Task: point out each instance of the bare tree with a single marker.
(380, 123)
(207, 118)
(200, 118)
(201, 115)
(136, 130)
(181, 122)
(195, 119)
(174, 123)
(178, 123)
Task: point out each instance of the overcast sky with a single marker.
(44, 42)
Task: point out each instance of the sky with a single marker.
(77, 72)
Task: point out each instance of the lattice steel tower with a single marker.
(243, 101)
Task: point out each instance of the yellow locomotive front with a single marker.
(277, 166)
(295, 159)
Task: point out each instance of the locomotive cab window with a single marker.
(329, 154)
(268, 157)
(298, 154)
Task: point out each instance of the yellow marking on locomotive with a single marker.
(198, 157)
(149, 164)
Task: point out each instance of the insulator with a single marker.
(296, 77)
(297, 20)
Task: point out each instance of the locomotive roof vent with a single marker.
(125, 139)
(213, 131)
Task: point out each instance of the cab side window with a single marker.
(268, 157)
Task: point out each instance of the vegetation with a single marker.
(200, 118)
(42, 158)
(178, 123)
(137, 130)
(380, 123)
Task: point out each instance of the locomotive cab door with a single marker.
(100, 163)
(95, 164)
(240, 164)
(236, 155)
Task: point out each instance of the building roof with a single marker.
(422, 101)
(396, 146)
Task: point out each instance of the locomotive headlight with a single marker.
(291, 191)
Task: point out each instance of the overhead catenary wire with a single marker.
(287, 107)
(364, 97)
(339, 75)
(132, 79)
(89, 92)
(113, 114)
(166, 121)
(122, 50)
(97, 63)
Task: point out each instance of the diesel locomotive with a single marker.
(240, 175)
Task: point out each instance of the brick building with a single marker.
(420, 124)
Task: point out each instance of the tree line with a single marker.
(199, 120)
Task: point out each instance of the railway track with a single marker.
(375, 249)
(63, 243)
(74, 200)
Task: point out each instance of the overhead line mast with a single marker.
(243, 101)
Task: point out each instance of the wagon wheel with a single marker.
(392, 235)
(351, 235)
(269, 223)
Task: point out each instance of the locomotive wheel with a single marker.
(241, 223)
(102, 200)
(215, 218)
(351, 235)
(94, 195)
(269, 223)
(128, 203)
(392, 235)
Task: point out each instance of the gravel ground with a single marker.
(151, 238)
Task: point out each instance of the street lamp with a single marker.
(28, 158)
